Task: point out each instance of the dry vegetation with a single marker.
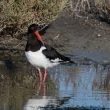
(99, 8)
(25, 12)
(16, 15)
(20, 13)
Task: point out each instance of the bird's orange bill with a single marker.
(38, 36)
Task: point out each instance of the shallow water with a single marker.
(67, 87)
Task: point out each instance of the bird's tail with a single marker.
(67, 60)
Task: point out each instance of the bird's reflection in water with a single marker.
(40, 100)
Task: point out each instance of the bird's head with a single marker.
(33, 28)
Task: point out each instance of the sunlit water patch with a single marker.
(85, 86)
(87, 91)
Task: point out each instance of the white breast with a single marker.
(38, 59)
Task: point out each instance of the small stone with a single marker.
(56, 37)
(2, 76)
(99, 35)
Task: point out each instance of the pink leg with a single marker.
(45, 75)
(40, 74)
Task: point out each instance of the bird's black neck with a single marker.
(33, 44)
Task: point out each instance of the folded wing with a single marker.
(54, 56)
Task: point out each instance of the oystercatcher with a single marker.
(41, 55)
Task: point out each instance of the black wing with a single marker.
(52, 54)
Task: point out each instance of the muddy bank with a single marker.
(69, 34)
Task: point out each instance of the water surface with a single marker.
(82, 86)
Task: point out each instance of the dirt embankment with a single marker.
(68, 34)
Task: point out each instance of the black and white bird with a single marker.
(41, 55)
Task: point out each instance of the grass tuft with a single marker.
(25, 12)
